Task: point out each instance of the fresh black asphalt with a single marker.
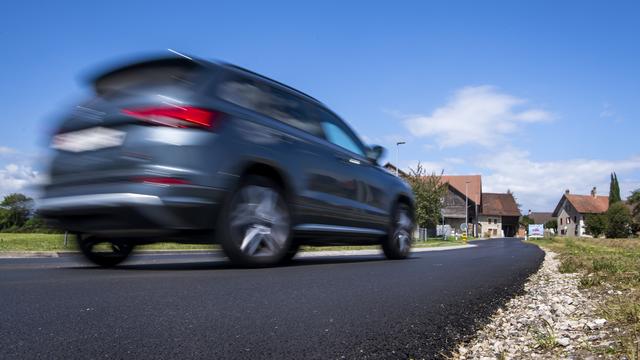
(196, 306)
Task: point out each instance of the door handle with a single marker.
(347, 159)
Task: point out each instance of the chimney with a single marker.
(593, 192)
(566, 192)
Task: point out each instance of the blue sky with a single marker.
(537, 96)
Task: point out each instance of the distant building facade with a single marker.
(488, 214)
(572, 210)
(459, 188)
(499, 216)
(541, 217)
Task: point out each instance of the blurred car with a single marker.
(192, 151)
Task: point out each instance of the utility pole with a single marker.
(398, 155)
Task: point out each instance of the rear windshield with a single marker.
(143, 76)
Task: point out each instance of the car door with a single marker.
(365, 185)
(292, 139)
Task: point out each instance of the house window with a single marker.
(560, 221)
(575, 219)
(568, 219)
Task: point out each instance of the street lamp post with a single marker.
(398, 154)
(466, 207)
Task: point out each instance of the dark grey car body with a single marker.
(336, 195)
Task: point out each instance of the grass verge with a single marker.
(55, 242)
(605, 265)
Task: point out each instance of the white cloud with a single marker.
(4, 150)
(16, 178)
(479, 115)
(607, 111)
(428, 166)
(539, 185)
(454, 160)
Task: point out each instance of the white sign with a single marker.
(536, 230)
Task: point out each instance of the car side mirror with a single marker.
(375, 152)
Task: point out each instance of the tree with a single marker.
(596, 224)
(634, 201)
(428, 191)
(551, 224)
(16, 209)
(614, 189)
(525, 221)
(618, 221)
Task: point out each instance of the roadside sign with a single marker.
(536, 230)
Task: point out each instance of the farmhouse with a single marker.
(572, 211)
(499, 216)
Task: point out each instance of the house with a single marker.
(572, 210)
(488, 214)
(541, 217)
(392, 169)
(459, 188)
(499, 215)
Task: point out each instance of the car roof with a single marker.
(268, 79)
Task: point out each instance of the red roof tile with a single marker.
(588, 204)
(499, 204)
(458, 182)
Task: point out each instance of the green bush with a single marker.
(618, 221)
(596, 224)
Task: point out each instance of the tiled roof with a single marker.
(585, 204)
(499, 204)
(541, 217)
(458, 182)
(588, 204)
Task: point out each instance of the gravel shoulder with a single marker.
(553, 318)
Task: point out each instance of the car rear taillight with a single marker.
(158, 180)
(175, 116)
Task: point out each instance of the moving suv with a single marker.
(191, 151)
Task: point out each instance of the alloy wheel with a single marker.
(259, 221)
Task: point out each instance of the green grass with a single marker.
(34, 242)
(545, 337)
(602, 263)
(55, 242)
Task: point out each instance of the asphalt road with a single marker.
(195, 306)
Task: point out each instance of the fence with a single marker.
(424, 234)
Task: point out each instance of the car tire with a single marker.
(116, 252)
(255, 226)
(397, 243)
(292, 252)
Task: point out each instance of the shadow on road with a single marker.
(226, 265)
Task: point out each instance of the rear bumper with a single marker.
(81, 202)
(130, 214)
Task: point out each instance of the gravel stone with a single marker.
(554, 318)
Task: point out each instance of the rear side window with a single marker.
(270, 101)
(140, 77)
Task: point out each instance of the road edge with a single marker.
(56, 254)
